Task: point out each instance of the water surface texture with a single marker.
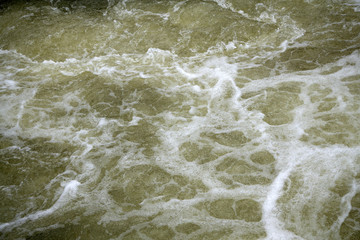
(194, 119)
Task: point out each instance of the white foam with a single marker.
(196, 88)
(8, 84)
(346, 207)
(134, 121)
(284, 45)
(67, 195)
(206, 81)
(102, 122)
(67, 73)
(355, 3)
(265, 16)
(273, 226)
(186, 73)
(230, 46)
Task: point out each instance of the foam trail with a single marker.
(346, 201)
(68, 193)
(273, 226)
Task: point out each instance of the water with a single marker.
(224, 119)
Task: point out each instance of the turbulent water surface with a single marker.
(171, 119)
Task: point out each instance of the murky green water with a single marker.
(224, 119)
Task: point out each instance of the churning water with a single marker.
(170, 119)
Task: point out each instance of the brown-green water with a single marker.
(224, 119)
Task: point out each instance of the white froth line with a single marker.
(9, 84)
(273, 226)
(346, 201)
(68, 193)
(188, 75)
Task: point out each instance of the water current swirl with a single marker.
(180, 119)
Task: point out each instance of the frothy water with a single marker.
(224, 119)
